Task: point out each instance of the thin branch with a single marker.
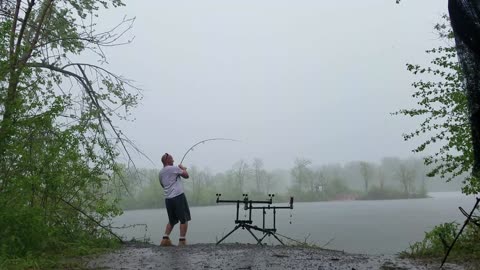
(12, 33)
(24, 26)
(92, 219)
(117, 77)
(93, 97)
(460, 232)
(86, 85)
(473, 217)
(45, 9)
(105, 39)
(328, 243)
(117, 36)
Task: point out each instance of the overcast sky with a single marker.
(289, 79)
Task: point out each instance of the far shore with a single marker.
(339, 199)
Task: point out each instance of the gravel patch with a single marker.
(246, 257)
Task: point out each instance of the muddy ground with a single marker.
(244, 256)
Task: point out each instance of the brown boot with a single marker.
(182, 242)
(166, 242)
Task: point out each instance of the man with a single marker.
(175, 200)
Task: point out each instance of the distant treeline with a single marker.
(392, 178)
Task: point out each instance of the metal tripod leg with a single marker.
(265, 235)
(238, 226)
(274, 235)
(254, 236)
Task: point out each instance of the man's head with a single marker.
(167, 159)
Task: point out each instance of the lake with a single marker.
(369, 227)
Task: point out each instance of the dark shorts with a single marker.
(177, 209)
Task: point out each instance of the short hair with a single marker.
(164, 158)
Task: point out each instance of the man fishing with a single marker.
(175, 200)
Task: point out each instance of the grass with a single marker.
(66, 258)
(436, 243)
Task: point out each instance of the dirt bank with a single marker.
(243, 256)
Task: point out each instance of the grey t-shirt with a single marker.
(169, 177)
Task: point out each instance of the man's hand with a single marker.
(182, 167)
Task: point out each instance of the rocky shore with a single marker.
(245, 256)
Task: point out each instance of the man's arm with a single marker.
(184, 173)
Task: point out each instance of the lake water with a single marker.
(370, 227)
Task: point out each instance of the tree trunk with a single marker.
(465, 19)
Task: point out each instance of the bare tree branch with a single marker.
(92, 219)
(460, 232)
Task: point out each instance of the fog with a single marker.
(288, 79)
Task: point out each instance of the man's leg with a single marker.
(184, 217)
(183, 232)
(168, 229)
(183, 229)
(166, 237)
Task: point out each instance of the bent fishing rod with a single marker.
(198, 143)
(204, 141)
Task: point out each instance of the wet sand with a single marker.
(246, 256)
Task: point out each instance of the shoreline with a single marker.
(249, 256)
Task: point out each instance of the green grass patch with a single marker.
(437, 241)
(66, 258)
